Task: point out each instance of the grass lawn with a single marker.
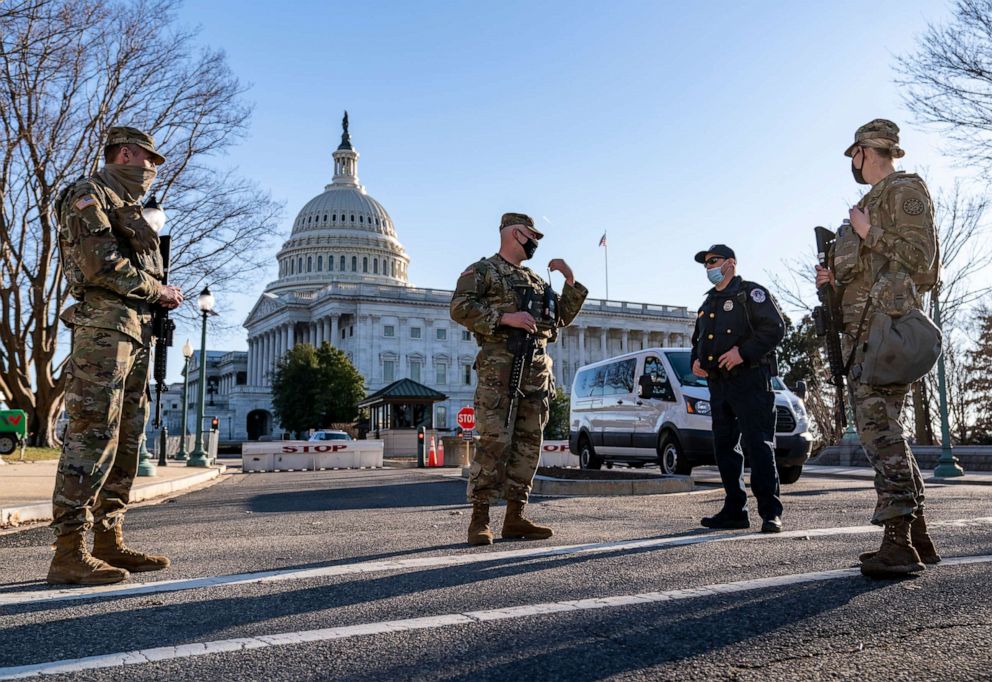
(34, 454)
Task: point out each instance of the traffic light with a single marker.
(214, 424)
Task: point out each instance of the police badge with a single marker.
(728, 305)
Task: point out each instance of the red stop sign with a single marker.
(466, 418)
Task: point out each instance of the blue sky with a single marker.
(669, 125)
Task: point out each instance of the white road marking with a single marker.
(132, 589)
(166, 653)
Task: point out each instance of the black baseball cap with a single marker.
(718, 250)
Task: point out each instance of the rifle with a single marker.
(162, 326)
(524, 345)
(827, 321)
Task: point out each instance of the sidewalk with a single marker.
(26, 487)
(969, 478)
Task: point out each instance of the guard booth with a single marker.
(397, 411)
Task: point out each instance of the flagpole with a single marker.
(606, 263)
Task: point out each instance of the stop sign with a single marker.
(466, 418)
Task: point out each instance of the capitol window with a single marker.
(466, 336)
(354, 263)
(388, 371)
(320, 261)
(415, 370)
(441, 373)
(330, 263)
(341, 264)
(467, 374)
(442, 334)
(299, 265)
(375, 266)
(352, 217)
(388, 330)
(334, 217)
(414, 332)
(365, 264)
(360, 219)
(309, 263)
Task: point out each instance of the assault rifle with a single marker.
(524, 345)
(827, 321)
(162, 326)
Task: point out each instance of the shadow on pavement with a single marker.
(429, 494)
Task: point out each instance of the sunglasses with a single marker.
(714, 260)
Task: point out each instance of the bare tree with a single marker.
(69, 69)
(948, 80)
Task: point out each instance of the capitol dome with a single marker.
(341, 235)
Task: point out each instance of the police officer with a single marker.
(113, 268)
(737, 329)
(498, 298)
(886, 259)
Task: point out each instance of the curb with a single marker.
(42, 511)
(864, 474)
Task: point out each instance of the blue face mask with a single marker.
(715, 275)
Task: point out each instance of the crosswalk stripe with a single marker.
(145, 656)
(461, 559)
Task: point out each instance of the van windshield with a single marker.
(682, 365)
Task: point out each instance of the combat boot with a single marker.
(74, 565)
(479, 532)
(109, 546)
(896, 556)
(516, 526)
(922, 543)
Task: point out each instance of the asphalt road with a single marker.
(370, 579)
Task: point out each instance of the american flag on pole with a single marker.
(602, 240)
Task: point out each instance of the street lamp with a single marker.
(187, 354)
(947, 465)
(199, 458)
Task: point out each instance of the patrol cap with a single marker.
(881, 134)
(717, 250)
(126, 135)
(519, 219)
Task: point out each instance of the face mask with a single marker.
(530, 247)
(135, 180)
(715, 275)
(858, 172)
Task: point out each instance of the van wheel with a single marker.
(790, 474)
(587, 456)
(7, 444)
(671, 458)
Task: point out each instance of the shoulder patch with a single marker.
(468, 271)
(85, 201)
(758, 295)
(913, 206)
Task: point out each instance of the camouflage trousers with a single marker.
(507, 456)
(107, 405)
(898, 482)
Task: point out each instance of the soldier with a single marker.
(111, 260)
(884, 261)
(733, 346)
(489, 301)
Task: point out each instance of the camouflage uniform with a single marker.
(507, 458)
(114, 275)
(891, 267)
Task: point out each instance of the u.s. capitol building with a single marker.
(343, 279)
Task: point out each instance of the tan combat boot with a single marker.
(74, 565)
(922, 543)
(896, 556)
(108, 545)
(516, 526)
(479, 532)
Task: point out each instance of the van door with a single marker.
(587, 405)
(619, 407)
(655, 375)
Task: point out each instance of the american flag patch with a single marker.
(467, 272)
(84, 202)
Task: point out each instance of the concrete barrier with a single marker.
(302, 455)
(554, 453)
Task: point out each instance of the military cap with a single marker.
(519, 219)
(717, 250)
(126, 135)
(880, 133)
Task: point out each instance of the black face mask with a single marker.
(858, 172)
(530, 247)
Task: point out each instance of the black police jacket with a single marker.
(742, 315)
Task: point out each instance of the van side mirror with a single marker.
(800, 389)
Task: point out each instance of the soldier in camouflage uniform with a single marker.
(487, 301)
(883, 262)
(111, 260)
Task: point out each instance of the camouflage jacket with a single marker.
(898, 260)
(114, 286)
(489, 288)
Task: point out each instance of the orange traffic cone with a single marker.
(432, 454)
(440, 453)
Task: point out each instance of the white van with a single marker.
(648, 407)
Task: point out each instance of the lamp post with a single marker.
(199, 458)
(184, 433)
(947, 465)
(145, 465)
